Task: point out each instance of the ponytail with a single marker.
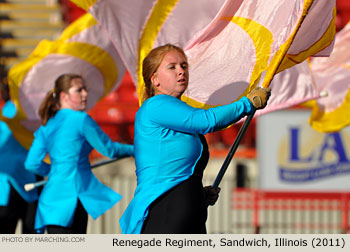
(49, 107)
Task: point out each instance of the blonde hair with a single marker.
(51, 103)
(151, 63)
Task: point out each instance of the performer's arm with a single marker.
(102, 142)
(172, 113)
(37, 152)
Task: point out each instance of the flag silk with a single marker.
(83, 48)
(290, 87)
(230, 44)
(138, 26)
(258, 40)
(332, 75)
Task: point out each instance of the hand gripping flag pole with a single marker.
(237, 141)
(233, 149)
(31, 186)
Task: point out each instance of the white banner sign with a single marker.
(293, 156)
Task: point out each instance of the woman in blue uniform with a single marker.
(170, 149)
(15, 203)
(67, 135)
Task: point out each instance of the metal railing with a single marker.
(245, 211)
(259, 211)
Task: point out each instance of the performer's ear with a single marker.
(154, 80)
(63, 99)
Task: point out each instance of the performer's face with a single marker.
(76, 97)
(172, 75)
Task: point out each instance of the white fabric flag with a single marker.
(83, 48)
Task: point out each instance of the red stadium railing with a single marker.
(260, 202)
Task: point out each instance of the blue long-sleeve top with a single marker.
(12, 157)
(167, 147)
(68, 138)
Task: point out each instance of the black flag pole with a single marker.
(233, 149)
(245, 126)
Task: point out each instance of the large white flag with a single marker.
(257, 39)
(83, 48)
(138, 26)
(230, 44)
(290, 87)
(332, 75)
(329, 76)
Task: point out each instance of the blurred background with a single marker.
(247, 204)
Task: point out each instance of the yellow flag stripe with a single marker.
(159, 14)
(331, 121)
(325, 41)
(87, 52)
(84, 4)
(90, 53)
(280, 54)
(96, 57)
(20, 70)
(45, 47)
(262, 39)
(194, 103)
(82, 23)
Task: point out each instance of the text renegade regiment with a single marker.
(178, 243)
